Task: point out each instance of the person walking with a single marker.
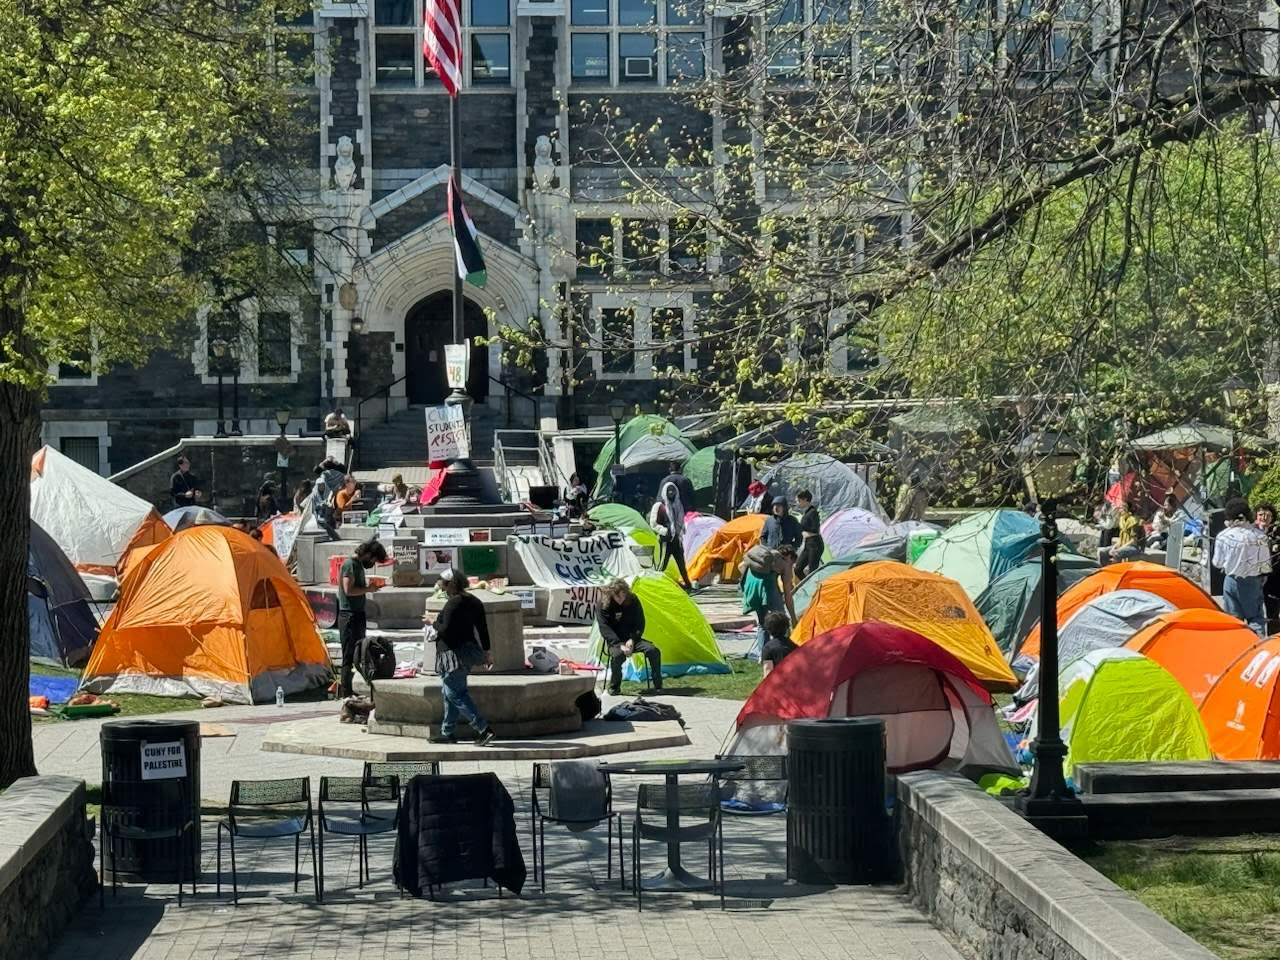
(1266, 520)
(183, 488)
(767, 587)
(666, 519)
(781, 527)
(1243, 553)
(353, 588)
(811, 545)
(462, 643)
(683, 484)
(621, 622)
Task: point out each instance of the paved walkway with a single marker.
(582, 916)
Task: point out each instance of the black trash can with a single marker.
(135, 755)
(837, 828)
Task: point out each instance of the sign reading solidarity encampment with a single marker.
(446, 433)
(573, 570)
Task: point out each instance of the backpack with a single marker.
(761, 559)
(376, 659)
(588, 705)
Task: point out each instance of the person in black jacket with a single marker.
(621, 622)
(810, 557)
(781, 527)
(183, 488)
(462, 642)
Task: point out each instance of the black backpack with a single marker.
(376, 660)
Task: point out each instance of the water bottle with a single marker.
(279, 696)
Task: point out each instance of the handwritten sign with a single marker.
(457, 360)
(164, 761)
(446, 433)
(405, 554)
(445, 536)
(573, 570)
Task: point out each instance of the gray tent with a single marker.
(834, 485)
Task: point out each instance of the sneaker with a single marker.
(441, 738)
(484, 737)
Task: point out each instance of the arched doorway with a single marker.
(428, 326)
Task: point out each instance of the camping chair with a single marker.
(402, 770)
(542, 814)
(354, 818)
(268, 810)
(143, 811)
(693, 799)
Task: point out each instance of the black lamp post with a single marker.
(219, 348)
(233, 351)
(1235, 395)
(617, 411)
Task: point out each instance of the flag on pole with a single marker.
(465, 244)
(442, 44)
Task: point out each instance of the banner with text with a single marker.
(446, 433)
(573, 570)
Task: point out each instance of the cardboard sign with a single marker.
(446, 433)
(284, 531)
(457, 363)
(405, 555)
(336, 447)
(164, 761)
(445, 536)
(436, 560)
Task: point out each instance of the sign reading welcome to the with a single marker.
(573, 570)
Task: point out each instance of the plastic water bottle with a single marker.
(279, 696)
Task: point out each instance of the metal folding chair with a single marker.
(541, 816)
(269, 810)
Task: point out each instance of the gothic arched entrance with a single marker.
(428, 326)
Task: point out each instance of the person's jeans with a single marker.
(351, 630)
(1242, 598)
(672, 549)
(457, 700)
(617, 658)
(810, 557)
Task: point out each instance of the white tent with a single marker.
(655, 448)
(96, 523)
(834, 485)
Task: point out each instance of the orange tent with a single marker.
(1138, 575)
(1195, 645)
(933, 606)
(1242, 711)
(726, 547)
(209, 612)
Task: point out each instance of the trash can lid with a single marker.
(839, 733)
(149, 729)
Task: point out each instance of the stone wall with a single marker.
(1002, 890)
(412, 129)
(46, 862)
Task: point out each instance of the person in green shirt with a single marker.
(353, 587)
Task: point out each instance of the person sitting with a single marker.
(779, 644)
(1161, 521)
(348, 498)
(621, 622)
(399, 489)
(336, 424)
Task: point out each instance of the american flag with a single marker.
(443, 43)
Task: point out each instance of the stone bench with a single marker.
(517, 704)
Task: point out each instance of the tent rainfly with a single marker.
(1242, 709)
(61, 626)
(1197, 646)
(981, 547)
(674, 624)
(834, 485)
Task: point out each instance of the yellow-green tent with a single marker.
(675, 625)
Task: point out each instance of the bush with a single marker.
(1267, 489)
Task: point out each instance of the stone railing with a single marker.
(46, 862)
(1004, 891)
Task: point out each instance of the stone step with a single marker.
(1208, 813)
(1108, 778)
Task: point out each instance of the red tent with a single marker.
(936, 713)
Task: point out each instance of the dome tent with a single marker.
(211, 611)
(845, 529)
(891, 542)
(634, 430)
(834, 485)
(981, 547)
(807, 588)
(1197, 646)
(935, 712)
(724, 550)
(698, 529)
(1011, 603)
(183, 517)
(618, 516)
(1242, 709)
(61, 625)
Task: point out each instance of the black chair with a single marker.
(269, 810)
(541, 815)
(130, 811)
(694, 800)
(355, 818)
(770, 772)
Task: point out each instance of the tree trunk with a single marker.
(18, 419)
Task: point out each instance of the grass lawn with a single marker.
(1223, 891)
(723, 686)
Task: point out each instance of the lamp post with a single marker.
(283, 416)
(233, 351)
(617, 410)
(1235, 394)
(219, 348)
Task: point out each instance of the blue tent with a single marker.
(61, 624)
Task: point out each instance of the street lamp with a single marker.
(1235, 395)
(219, 348)
(617, 411)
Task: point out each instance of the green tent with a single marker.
(700, 469)
(1118, 706)
(980, 548)
(634, 430)
(807, 588)
(675, 625)
(1011, 603)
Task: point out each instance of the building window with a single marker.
(641, 247)
(83, 450)
(666, 332)
(275, 343)
(827, 40)
(686, 246)
(617, 340)
(78, 365)
(594, 246)
(398, 34)
(652, 42)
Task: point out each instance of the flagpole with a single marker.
(455, 162)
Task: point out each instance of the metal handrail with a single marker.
(519, 393)
(384, 392)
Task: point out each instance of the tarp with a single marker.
(663, 450)
(981, 547)
(834, 485)
(936, 713)
(1197, 434)
(723, 552)
(1104, 622)
(194, 516)
(61, 624)
(1242, 709)
(807, 588)
(632, 431)
(674, 624)
(1118, 706)
(843, 530)
(698, 529)
(1196, 646)
(1136, 575)
(210, 612)
(101, 527)
(700, 469)
(929, 604)
(891, 542)
(1011, 603)
(572, 570)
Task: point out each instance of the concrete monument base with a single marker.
(516, 704)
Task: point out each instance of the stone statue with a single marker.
(544, 167)
(344, 168)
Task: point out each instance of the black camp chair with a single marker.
(698, 801)
(356, 817)
(541, 816)
(269, 810)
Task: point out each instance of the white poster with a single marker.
(336, 448)
(445, 536)
(457, 360)
(573, 570)
(284, 531)
(164, 761)
(446, 433)
(436, 559)
(525, 595)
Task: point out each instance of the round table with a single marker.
(675, 877)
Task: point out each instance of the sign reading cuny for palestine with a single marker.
(164, 761)
(573, 569)
(446, 433)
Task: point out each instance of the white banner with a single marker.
(284, 531)
(446, 433)
(457, 361)
(573, 570)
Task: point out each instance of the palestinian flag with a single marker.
(465, 244)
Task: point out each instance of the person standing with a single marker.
(1265, 518)
(781, 527)
(769, 591)
(666, 519)
(182, 485)
(683, 484)
(576, 496)
(621, 622)
(1243, 554)
(462, 643)
(811, 545)
(302, 495)
(353, 588)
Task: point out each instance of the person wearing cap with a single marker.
(353, 587)
(462, 642)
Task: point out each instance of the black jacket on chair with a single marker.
(457, 828)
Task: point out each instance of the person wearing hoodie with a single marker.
(781, 527)
(666, 519)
